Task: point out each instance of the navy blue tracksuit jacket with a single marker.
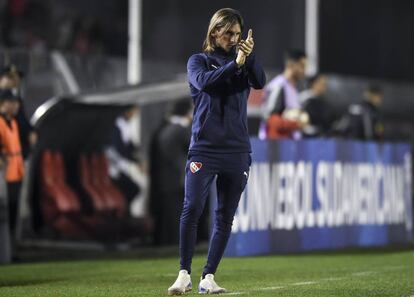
(219, 148)
(220, 91)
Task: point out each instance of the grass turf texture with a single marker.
(376, 273)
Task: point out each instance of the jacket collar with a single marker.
(218, 51)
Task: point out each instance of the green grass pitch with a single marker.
(364, 273)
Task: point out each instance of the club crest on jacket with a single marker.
(195, 166)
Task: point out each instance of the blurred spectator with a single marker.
(281, 109)
(37, 24)
(364, 121)
(12, 12)
(10, 79)
(11, 161)
(43, 24)
(88, 37)
(321, 114)
(25, 23)
(65, 33)
(169, 150)
(125, 165)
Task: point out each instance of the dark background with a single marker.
(373, 38)
(370, 38)
(175, 29)
(360, 42)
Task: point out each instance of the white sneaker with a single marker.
(209, 286)
(181, 285)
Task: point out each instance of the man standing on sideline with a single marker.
(220, 79)
(364, 121)
(125, 165)
(11, 79)
(169, 149)
(281, 100)
(11, 153)
(320, 111)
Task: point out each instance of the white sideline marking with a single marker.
(329, 279)
(304, 283)
(271, 288)
(287, 285)
(362, 273)
(233, 293)
(395, 268)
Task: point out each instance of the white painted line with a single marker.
(362, 273)
(307, 283)
(271, 288)
(329, 279)
(304, 283)
(399, 267)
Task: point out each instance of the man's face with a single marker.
(10, 107)
(374, 98)
(7, 82)
(227, 39)
(298, 68)
(130, 113)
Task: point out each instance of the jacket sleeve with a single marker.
(256, 75)
(201, 78)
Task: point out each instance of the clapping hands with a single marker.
(245, 48)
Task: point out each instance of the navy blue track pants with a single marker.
(232, 171)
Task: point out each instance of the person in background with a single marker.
(125, 164)
(11, 79)
(282, 114)
(364, 121)
(11, 161)
(169, 150)
(321, 115)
